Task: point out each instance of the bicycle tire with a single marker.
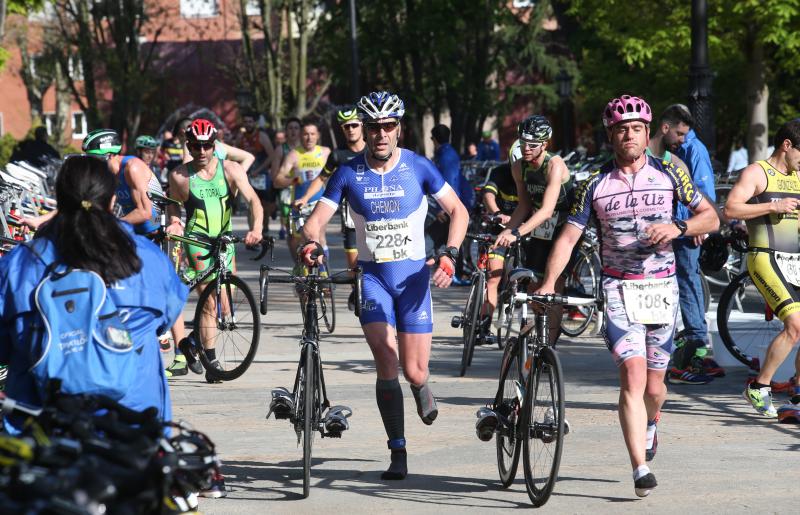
(308, 416)
(581, 277)
(543, 414)
(235, 360)
(263, 290)
(508, 405)
(755, 326)
(469, 321)
(328, 309)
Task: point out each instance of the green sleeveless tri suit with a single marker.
(208, 210)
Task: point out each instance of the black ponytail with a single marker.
(85, 233)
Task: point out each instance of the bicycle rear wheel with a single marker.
(543, 426)
(309, 415)
(583, 279)
(469, 320)
(745, 321)
(231, 327)
(508, 406)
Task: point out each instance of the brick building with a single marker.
(197, 41)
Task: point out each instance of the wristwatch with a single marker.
(451, 252)
(681, 225)
(515, 232)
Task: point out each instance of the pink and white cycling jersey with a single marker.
(625, 205)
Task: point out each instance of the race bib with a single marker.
(789, 265)
(546, 229)
(286, 196)
(259, 182)
(389, 240)
(649, 301)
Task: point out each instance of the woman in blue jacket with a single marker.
(85, 234)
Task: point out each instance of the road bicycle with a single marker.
(232, 326)
(307, 406)
(297, 220)
(528, 407)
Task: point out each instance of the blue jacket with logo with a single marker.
(148, 302)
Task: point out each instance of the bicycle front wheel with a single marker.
(309, 415)
(582, 280)
(328, 308)
(543, 426)
(228, 322)
(508, 406)
(745, 321)
(469, 320)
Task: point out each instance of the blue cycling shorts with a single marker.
(397, 293)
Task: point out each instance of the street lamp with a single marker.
(244, 99)
(701, 78)
(564, 89)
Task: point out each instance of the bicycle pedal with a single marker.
(335, 421)
(455, 322)
(281, 405)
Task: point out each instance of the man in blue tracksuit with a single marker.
(687, 252)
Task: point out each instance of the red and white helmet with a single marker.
(625, 109)
(201, 131)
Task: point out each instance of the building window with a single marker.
(49, 120)
(252, 9)
(522, 4)
(75, 68)
(199, 8)
(1, 125)
(78, 125)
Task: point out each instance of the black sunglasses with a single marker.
(351, 125)
(198, 146)
(385, 126)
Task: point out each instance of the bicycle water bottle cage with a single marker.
(282, 404)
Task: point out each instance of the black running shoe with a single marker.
(645, 484)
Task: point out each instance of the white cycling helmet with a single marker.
(380, 104)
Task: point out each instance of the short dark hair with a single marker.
(309, 121)
(789, 130)
(293, 119)
(40, 133)
(441, 133)
(677, 113)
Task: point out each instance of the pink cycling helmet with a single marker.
(626, 108)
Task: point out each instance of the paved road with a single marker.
(715, 454)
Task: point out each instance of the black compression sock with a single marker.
(756, 385)
(211, 354)
(398, 469)
(389, 396)
(426, 403)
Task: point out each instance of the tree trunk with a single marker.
(757, 95)
(302, 60)
(33, 83)
(63, 105)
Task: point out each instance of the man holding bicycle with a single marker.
(767, 196)
(207, 186)
(386, 188)
(544, 190)
(633, 200)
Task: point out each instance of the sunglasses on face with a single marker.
(533, 145)
(351, 126)
(387, 127)
(198, 146)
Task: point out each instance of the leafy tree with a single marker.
(751, 43)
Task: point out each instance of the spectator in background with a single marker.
(691, 352)
(471, 153)
(739, 159)
(449, 164)
(488, 149)
(256, 141)
(35, 151)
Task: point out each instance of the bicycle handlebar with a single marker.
(486, 238)
(162, 199)
(554, 298)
